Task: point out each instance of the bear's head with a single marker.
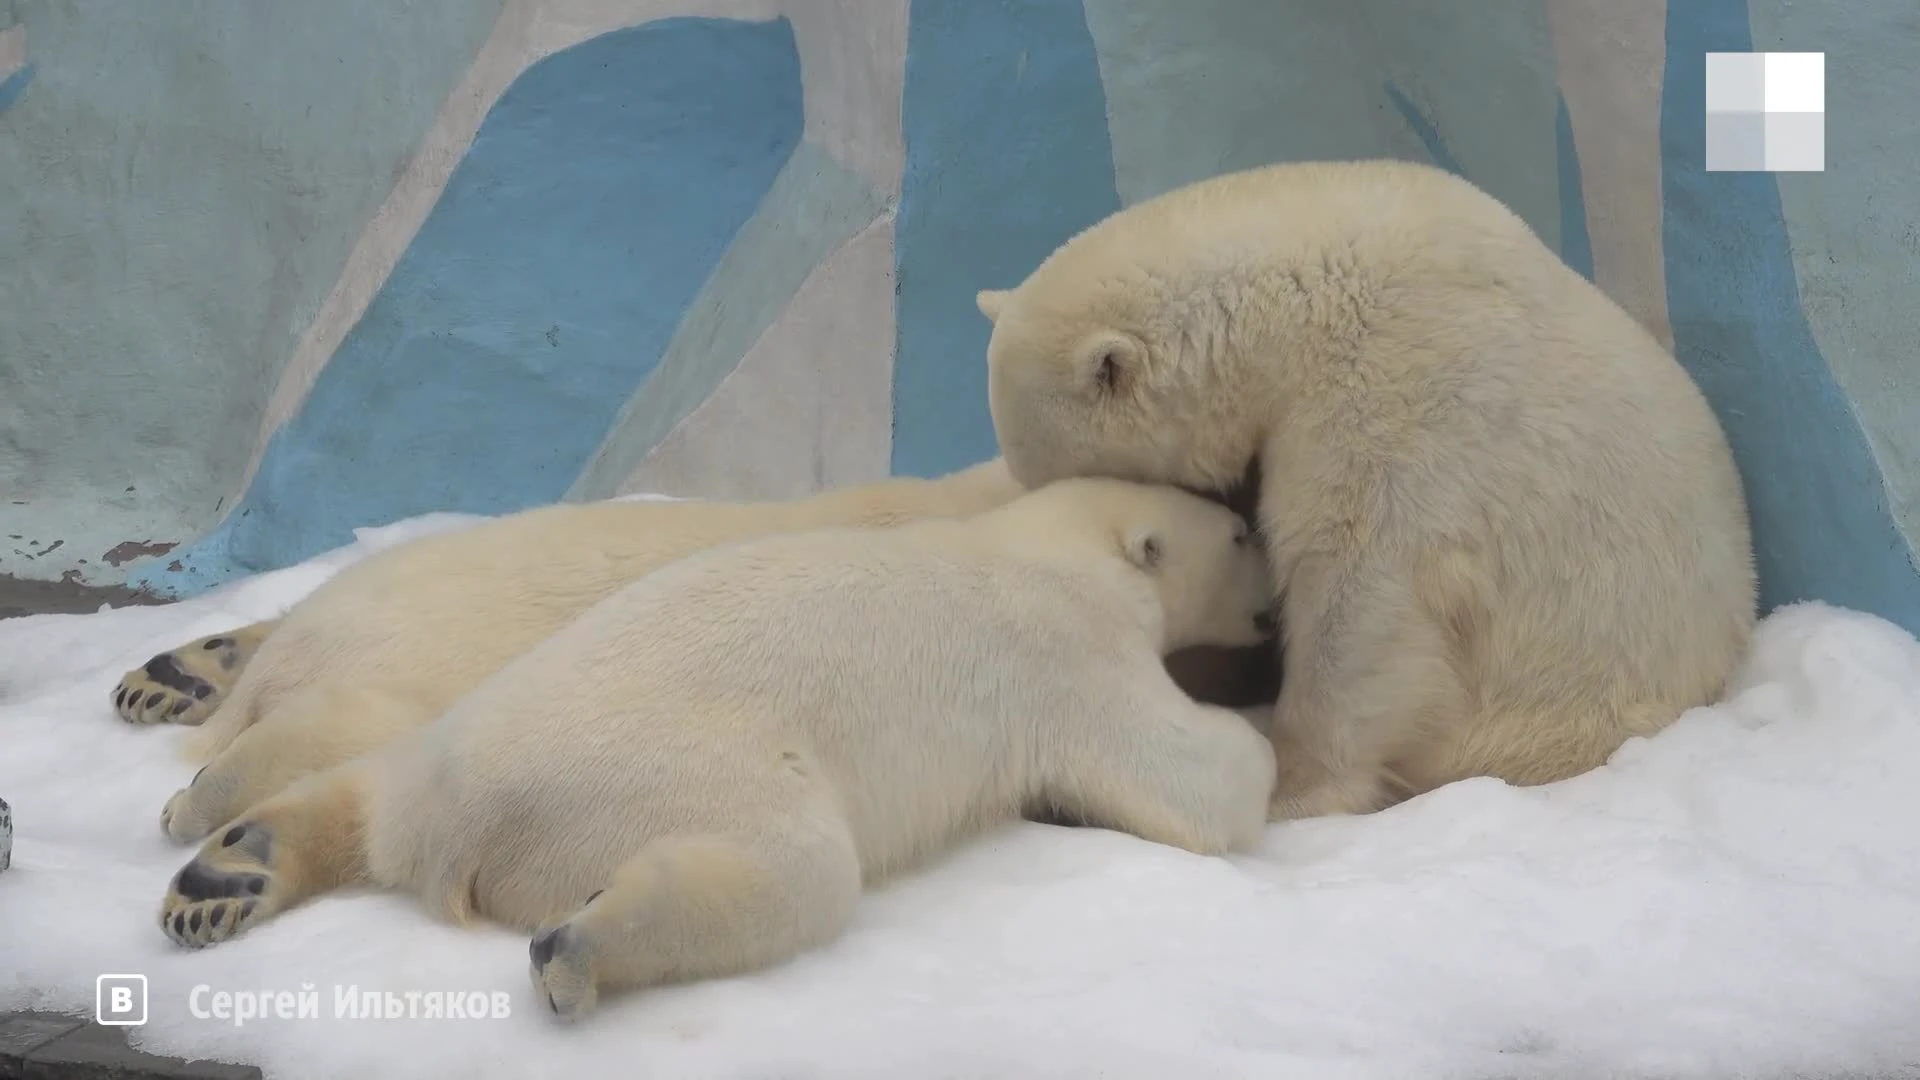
(1208, 569)
(1092, 374)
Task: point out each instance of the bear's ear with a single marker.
(991, 302)
(1108, 361)
(1144, 548)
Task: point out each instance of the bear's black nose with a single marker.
(1266, 623)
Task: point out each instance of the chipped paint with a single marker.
(135, 549)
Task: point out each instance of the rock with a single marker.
(46, 1046)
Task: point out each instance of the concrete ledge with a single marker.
(51, 1046)
(19, 596)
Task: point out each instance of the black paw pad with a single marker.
(198, 881)
(250, 839)
(167, 672)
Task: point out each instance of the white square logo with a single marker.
(120, 1000)
(1766, 112)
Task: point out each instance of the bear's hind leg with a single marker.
(315, 729)
(1158, 765)
(308, 840)
(1369, 673)
(694, 906)
(185, 685)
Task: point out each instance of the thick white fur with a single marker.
(697, 776)
(390, 642)
(1507, 526)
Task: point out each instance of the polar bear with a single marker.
(697, 777)
(1507, 526)
(389, 642)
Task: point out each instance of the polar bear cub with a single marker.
(1507, 525)
(388, 643)
(697, 776)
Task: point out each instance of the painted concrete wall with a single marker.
(276, 270)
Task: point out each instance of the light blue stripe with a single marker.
(1576, 247)
(1007, 156)
(1819, 502)
(816, 205)
(597, 195)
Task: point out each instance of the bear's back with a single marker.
(906, 670)
(800, 633)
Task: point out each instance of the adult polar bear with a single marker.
(388, 643)
(1507, 526)
(696, 777)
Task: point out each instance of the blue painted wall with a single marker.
(641, 272)
(598, 195)
(181, 183)
(13, 85)
(1576, 247)
(1007, 155)
(1820, 509)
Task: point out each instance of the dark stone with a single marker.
(48, 1046)
(23, 1033)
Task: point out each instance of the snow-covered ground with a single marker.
(1739, 896)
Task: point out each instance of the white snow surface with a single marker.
(1737, 897)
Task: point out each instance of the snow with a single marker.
(1737, 896)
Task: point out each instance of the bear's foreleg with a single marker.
(1156, 764)
(1369, 675)
(313, 730)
